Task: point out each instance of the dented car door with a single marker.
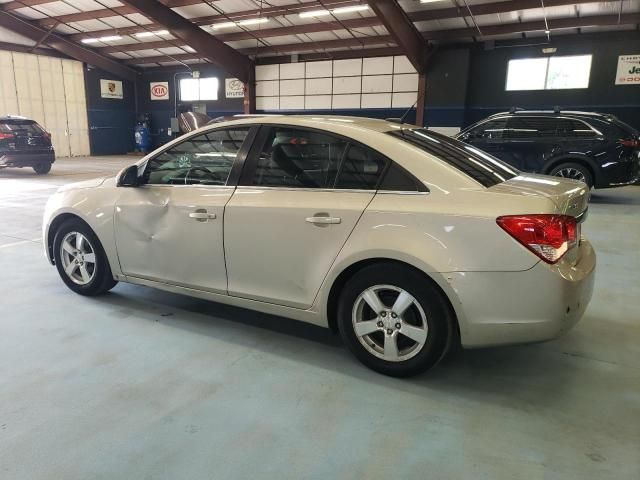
(170, 228)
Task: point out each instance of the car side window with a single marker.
(204, 159)
(491, 130)
(571, 128)
(294, 157)
(360, 169)
(530, 127)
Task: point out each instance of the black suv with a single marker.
(24, 143)
(598, 149)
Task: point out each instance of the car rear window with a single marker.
(20, 127)
(475, 163)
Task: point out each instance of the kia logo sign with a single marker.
(159, 90)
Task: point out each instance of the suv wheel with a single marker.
(574, 171)
(42, 168)
(80, 259)
(393, 320)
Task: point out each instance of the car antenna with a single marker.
(404, 116)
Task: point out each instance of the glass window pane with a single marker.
(361, 169)
(208, 88)
(530, 127)
(198, 89)
(527, 74)
(202, 160)
(299, 158)
(569, 72)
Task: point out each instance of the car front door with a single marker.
(301, 193)
(170, 227)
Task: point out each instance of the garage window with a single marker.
(198, 89)
(549, 73)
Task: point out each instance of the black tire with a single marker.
(571, 166)
(42, 168)
(439, 318)
(101, 277)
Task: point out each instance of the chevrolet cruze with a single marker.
(405, 241)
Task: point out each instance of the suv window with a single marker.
(491, 130)
(531, 127)
(300, 158)
(483, 168)
(21, 127)
(569, 127)
(205, 159)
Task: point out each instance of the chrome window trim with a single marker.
(334, 190)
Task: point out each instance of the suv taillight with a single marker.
(630, 143)
(5, 136)
(548, 236)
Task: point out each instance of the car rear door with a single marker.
(531, 141)
(301, 194)
(170, 228)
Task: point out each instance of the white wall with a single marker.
(50, 91)
(377, 82)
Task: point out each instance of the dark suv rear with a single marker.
(24, 143)
(598, 149)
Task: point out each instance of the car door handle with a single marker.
(323, 220)
(202, 215)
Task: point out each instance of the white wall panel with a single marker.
(405, 83)
(376, 100)
(318, 102)
(377, 66)
(291, 87)
(267, 103)
(292, 103)
(319, 69)
(401, 64)
(54, 103)
(346, 85)
(27, 75)
(403, 100)
(377, 83)
(347, 68)
(267, 72)
(76, 107)
(267, 88)
(291, 70)
(8, 96)
(318, 86)
(345, 101)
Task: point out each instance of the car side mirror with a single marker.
(129, 177)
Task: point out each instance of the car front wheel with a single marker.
(394, 320)
(80, 259)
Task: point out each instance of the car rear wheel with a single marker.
(80, 259)
(394, 320)
(42, 168)
(574, 171)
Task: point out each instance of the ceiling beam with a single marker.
(279, 49)
(47, 52)
(73, 50)
(205, 45)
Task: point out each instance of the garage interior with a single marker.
(141, 383)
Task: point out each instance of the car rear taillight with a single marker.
(630, 143)
(5, 136)
(548, 236)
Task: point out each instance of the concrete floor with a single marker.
(141, 384)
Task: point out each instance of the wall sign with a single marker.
(628, 70)
(234, 88)
(111, 89)
(159, 90)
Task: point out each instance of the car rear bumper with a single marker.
(503, 308)
(26, 159)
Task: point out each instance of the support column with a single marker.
(422, 91)
(249, 102)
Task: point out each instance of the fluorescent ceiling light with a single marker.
(89, 40)
(110, 38)
(353, 8)
(150, 34)
(241, 23)
(429, 1)
(314, 13)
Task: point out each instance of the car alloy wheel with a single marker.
(78, 258)
(389, 323)
(572, 173)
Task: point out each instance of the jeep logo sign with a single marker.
(159, 90)
(628, 70)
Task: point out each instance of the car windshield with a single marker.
(475, 163)
(20, 127)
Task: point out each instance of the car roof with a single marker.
(320, 121)
(13, 117)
